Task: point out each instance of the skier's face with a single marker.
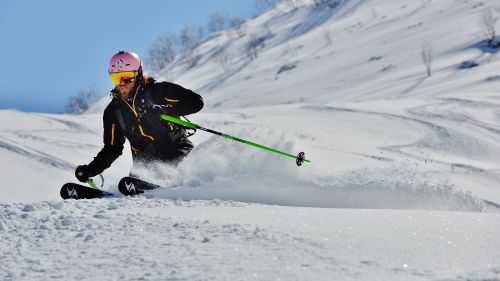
(125, 88)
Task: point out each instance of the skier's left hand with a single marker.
(82, 173)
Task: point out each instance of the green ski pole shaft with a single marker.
(300, 158)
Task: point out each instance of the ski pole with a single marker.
(299, 159)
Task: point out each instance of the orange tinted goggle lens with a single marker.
(117, 77)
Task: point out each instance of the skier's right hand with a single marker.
(82, 173)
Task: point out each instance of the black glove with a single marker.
(82, 173)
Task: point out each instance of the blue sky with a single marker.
(51, 49)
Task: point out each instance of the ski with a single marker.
(133, 186)
(78, 191)
(127, 186)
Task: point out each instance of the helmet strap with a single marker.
(139, 77)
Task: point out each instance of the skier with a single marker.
(134, 114)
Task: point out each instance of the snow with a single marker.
(157, 239)
(403, 182)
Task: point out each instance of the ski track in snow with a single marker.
(438, 138)
(36, 155)
(444, 111)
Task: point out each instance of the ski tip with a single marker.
(78, 191)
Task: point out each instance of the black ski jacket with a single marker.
(138, 120)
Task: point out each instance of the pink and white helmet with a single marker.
(125, 61)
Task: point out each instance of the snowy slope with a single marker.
(373, 72)
(403, 184)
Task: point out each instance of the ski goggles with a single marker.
(125, 77)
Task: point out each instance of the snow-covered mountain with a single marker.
(403, 185)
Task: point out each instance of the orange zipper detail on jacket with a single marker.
(171, 126)
(143, 134)
(113, 134)
(132, 107)
(169, 100)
